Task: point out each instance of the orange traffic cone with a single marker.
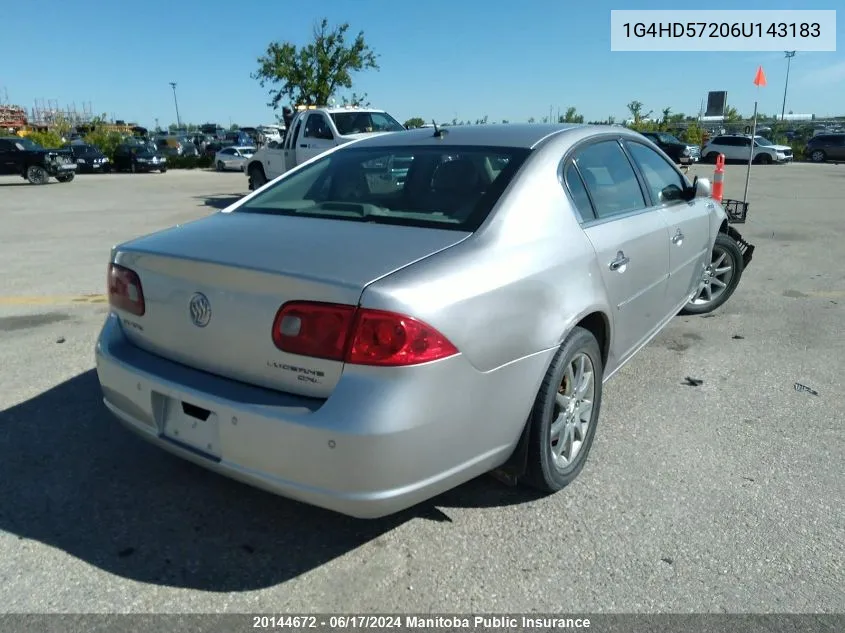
(718, 178)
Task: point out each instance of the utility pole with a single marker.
(789, 55)
(176, 103)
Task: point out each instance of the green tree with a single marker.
(571, 116)
(636, 110)
(531, 119)
(106, 141)
(693, 134)
(731, 115)
(47, 140)
(312, 74)
(413, 122)
(355, 100)
(481, 121)
(233, 127)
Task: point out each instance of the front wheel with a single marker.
(220, 165)
(817, 156)
(565, 415)
(66, 177)
(37, 175)
(711, 157)
(163, 170)
(721, 277)
(764, 159)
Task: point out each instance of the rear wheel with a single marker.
(37, 175)
(817, 156)
(721, 277)
(764, 159)
(566, 412)
(711, 157)
(257, 177)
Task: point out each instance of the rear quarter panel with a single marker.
(513, 289)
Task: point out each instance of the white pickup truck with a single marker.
(312, 132)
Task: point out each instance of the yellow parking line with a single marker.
(52, 300)
(826, 294)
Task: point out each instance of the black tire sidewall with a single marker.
(258, 177)
(542, 472)
(730, 245)
(43, 174)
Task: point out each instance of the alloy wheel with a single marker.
(717, 277)
(573, 410)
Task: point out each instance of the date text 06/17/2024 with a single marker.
(416, 622)
(723, 31)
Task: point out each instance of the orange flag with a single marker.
(760, 77)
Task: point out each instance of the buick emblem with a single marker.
(200, 310)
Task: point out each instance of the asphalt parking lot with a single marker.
(726, 497)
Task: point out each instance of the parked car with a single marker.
(139, 157)
(175, 146)
(364, 345)
(738, 147)
(680, 152)
(89, 158)
(826, 147)
(26, 158)
(234, 157)
(312, 132)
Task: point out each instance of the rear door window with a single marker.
(610, 179)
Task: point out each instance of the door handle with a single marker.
(620, 262)
(303, 145)
(678, 238)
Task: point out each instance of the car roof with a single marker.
(524, 135)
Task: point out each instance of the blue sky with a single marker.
(439, 59)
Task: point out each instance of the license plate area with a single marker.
(191, 426)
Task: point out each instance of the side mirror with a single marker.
(701, 188)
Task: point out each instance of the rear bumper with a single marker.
(375, 447)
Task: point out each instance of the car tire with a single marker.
(37, 175)
(66, 177)
(220, 165)
(257, 176)
(818, 156)
(711, 157)
(133, 168)
(764, 159)
(725, 251)
(548, 470)
(163, 170)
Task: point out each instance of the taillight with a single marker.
(319, 330)
(389, 339)
(357, 336)
(125, 292)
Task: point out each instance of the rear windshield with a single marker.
(438, 187)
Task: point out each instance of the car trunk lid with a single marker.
(246, 266)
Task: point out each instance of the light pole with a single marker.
(789, 56)
(176, 103)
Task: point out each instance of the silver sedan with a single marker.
(363, 339)
(233, 157)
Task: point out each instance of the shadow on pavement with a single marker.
(220, 201)
(71, 477)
